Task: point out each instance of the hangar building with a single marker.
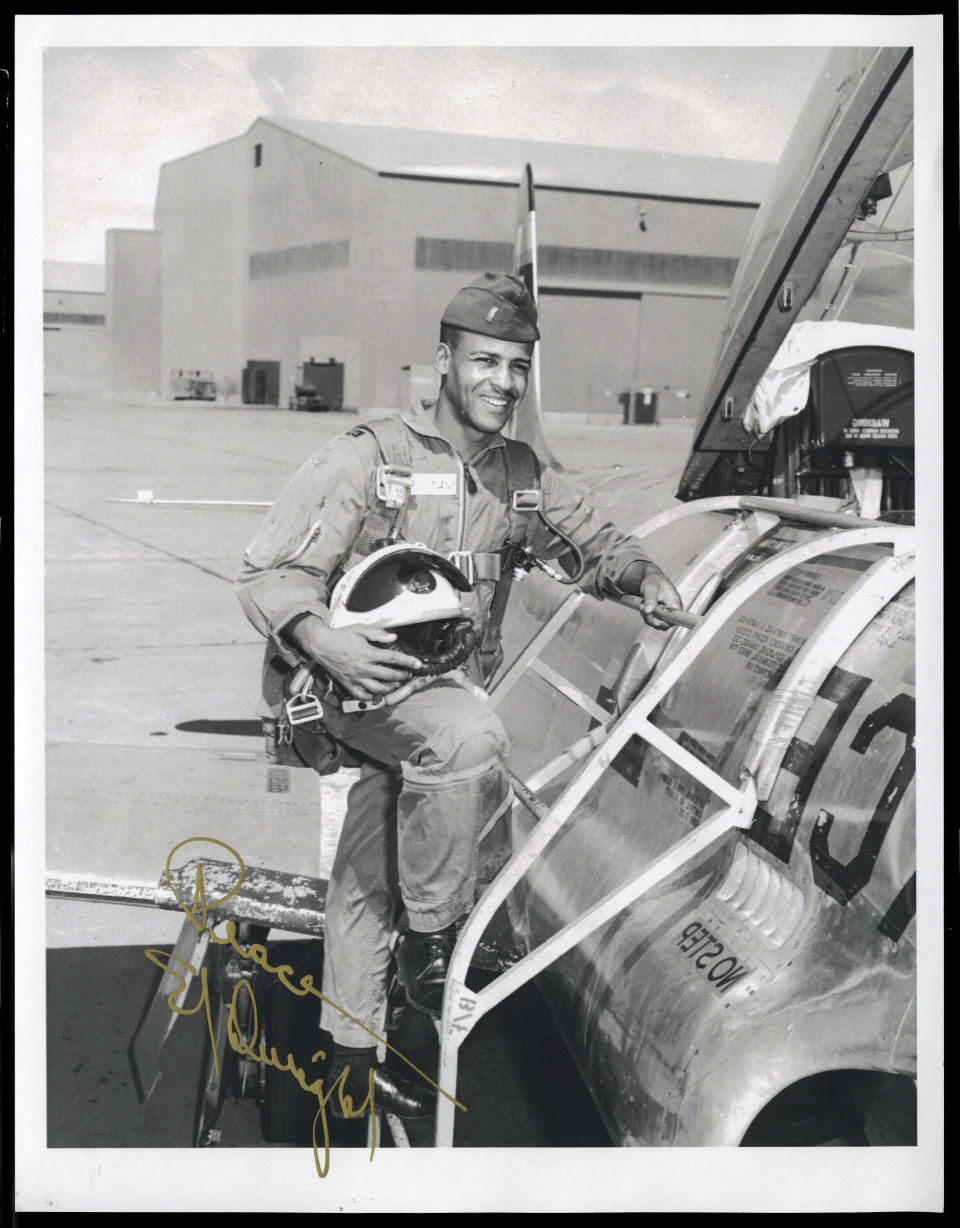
(303, 242)
(74, 329)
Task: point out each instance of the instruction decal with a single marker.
(711, 957)
(767, 649)
(873, 377)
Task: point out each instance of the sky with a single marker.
(112, 115)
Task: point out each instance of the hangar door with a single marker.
(598, 345)
(261, 383)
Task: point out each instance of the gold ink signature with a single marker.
(240, 1042)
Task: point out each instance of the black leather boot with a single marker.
(422, 963)
(392, 1093)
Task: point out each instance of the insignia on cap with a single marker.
(512, 315)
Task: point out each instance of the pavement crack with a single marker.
(139, 541)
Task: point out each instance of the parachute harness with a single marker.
(445, 644)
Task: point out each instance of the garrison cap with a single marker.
(495, 305)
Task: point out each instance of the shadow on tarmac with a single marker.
(517, 1080)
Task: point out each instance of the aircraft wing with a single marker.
(813, 238)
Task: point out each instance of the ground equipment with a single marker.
(306, 397)
(193, 386)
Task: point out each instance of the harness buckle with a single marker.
(283, 731)
(302, 709)
(527, 500)
(302, 706)
(394, 483)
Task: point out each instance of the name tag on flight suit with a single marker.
(433, 484)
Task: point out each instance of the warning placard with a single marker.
(873, 377)
(860, 430)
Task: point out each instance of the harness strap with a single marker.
(478, 564)
(524, 495)
(383, 516)
(298, 736)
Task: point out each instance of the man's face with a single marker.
(485, 379)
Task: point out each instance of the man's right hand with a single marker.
(359, 658)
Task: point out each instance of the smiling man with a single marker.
(433, 752)
(483, 380)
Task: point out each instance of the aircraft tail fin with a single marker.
(527, 424)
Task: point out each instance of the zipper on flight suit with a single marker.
(461, 500)
(468, 483)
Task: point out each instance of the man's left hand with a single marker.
(647, 581)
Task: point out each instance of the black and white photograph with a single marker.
(478, 613)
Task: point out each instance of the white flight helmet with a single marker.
(415, 592)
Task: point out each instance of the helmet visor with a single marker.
(409, 572)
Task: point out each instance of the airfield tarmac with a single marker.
(152, 676)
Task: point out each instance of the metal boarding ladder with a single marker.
(759, 518)
(696, 586)
(462, 1008)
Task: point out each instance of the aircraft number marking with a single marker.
(900, 913)
(844, 881)
(803, 760)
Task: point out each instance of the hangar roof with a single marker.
(488, 159)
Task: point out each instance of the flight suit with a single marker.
(434, 769)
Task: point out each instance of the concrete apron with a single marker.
(114, 813)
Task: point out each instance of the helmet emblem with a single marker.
(415, 591)
(421, 582)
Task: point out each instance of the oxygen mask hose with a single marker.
(440, 646)
(578, 564)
